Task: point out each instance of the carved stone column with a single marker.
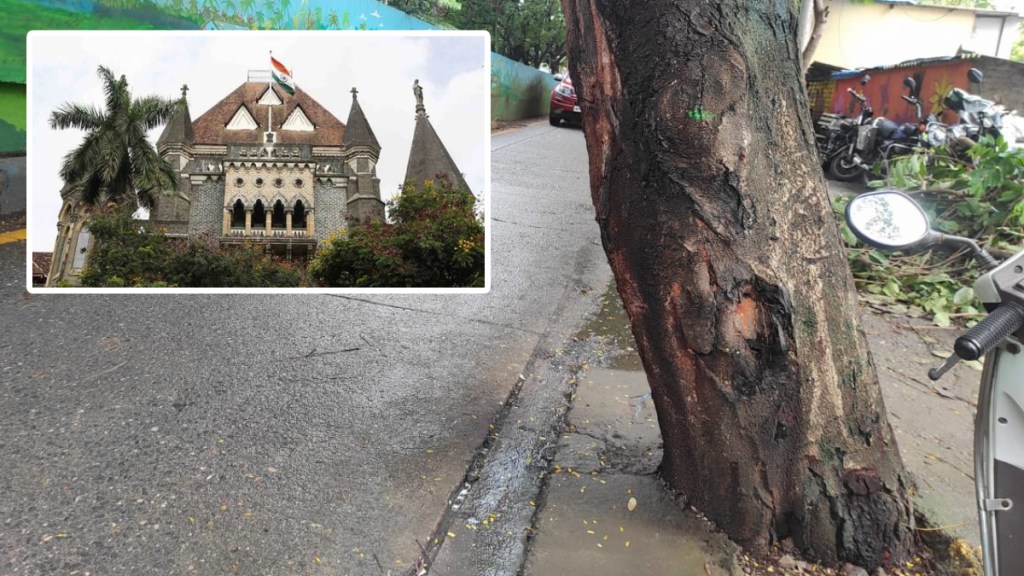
(288, 222)
(227, 221)
(248, 221)
(269, 213)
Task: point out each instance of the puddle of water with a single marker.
(616, 407)
(611, 326)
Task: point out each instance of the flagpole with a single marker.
(270, 86)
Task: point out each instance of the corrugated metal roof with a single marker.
(906, 64)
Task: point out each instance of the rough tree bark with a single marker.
(727, 258)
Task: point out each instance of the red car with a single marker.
(564, 105)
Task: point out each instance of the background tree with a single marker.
(528, 31)
(435, 11)
(436, 239)
(115, 162)
(715, 219)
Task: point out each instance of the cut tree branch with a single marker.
(820, 18)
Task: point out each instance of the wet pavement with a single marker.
(318, 434)
(292, 434)
(610, 448)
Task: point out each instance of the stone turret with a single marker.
(171, 211)
(428, 158)
(361, 152)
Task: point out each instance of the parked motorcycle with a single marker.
(978, 116)
(878, 142)
(837, 133)
(891, 220)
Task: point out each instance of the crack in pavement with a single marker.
(433, 313)
(541, 133)
(559, 228)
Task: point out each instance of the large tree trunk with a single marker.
(716, 223)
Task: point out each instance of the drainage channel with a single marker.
(490, 514)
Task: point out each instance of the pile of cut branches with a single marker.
(982, 199)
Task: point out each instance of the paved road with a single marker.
(278, 434)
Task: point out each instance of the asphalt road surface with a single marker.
(266, 434)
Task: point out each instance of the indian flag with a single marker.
(282, 76)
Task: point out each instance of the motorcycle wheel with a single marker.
(844, 169)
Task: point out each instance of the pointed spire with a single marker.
(357, 129)
(428, 158)
(179, 127)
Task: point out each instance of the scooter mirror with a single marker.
(975, 75)
(887, 219)
(909, 83)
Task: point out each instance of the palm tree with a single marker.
(115, 162)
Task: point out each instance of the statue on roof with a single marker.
(418, 91)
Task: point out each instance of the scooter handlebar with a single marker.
(1006, 319)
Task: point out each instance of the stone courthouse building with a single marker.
(267, 167)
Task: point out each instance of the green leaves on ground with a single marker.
(982, 199)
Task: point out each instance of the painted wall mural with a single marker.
(934, 80)
(517, 91)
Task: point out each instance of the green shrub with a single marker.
(435, 239)
(125, 254)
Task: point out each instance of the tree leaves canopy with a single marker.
(115, 162)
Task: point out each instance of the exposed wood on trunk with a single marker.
(727, 258)
(820, 17)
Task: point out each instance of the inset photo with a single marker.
(259, 162)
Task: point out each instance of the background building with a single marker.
(883, 32)
(267, 167)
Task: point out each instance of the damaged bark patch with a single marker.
(862, 481)
(757, 328)
(747, 318)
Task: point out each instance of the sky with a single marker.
(453, 70)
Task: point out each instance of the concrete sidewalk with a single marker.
(603, 509)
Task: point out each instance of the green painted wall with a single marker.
(12, 117)
(518, 91)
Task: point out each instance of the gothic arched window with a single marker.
(299, 216)
(259, 215)
(277, 220)
(238, 214)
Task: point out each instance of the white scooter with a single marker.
(891, 220)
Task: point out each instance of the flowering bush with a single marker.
(435, 239)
